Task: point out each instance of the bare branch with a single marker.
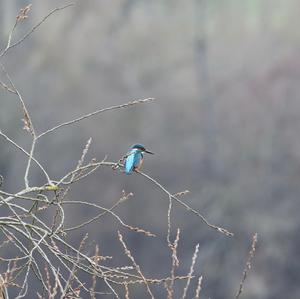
(76, 120)
(28, 155)
(44, 248)
(10, 46)
(187, 207)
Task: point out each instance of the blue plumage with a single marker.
(134, 158)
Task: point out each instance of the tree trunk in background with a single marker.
(206, 107)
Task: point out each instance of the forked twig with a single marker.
(10, 45)
(187, 207)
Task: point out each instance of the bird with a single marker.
(134, 158)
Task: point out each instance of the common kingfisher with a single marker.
(135, 158)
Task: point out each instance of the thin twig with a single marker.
(93, 219)
(187, 207)
(137, 267)
(198, 289)
(133, 228)
(10, 46)
(248, 265)
(28, 155)
(28, 125)
(175, 264)
(4, 86)
(67, 123)
(190, 272)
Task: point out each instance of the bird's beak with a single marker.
(148, 152)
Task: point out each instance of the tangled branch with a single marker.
(43, 248)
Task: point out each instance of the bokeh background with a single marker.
(225, 125)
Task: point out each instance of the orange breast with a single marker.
(140, 164)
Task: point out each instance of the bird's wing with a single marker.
(129, 162)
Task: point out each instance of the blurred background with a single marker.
(225, 126)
